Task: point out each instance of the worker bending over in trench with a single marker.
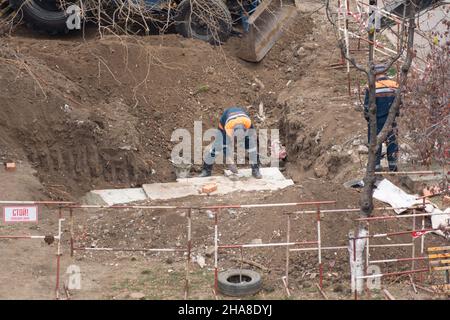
(234, 123)
(386, 90)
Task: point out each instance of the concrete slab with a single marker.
(416, 183)
(272, 179)
(267, 173)
(114, 196)
(170, 190)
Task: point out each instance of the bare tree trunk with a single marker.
(356, 246)
(366, 200)
(376, 140)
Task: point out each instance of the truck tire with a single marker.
(213, 26)
(229, 282)
(42, 15)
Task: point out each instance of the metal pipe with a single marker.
(58, 254)
(354, 266)
(125, 207)
(71, 231)
(377, 45)
(288, 239)
(413, 242)
(367, 247)
(347, 46)
(265, 205)
(345, 247)
(285, 284)
(398, 173)
(319, 248)
(393, 274)
(259, 245)
(422, 240)
(399, 260)
(236, 206)
(216, 252)
(355, 210)
(380, 235)
(400, 216)
(189, 246)
(37, 202)
(130, 250)
(24, 237)
(316, 248)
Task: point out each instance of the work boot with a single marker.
(393, 166)
(206, 170)
(255, 172)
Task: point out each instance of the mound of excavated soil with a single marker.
(98, 113)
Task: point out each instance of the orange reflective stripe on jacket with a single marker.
(386, 84)
(229, 126)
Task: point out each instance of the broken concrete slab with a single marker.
(270, 173)
(354, 183)
(439, 219)
(272, 179)
(200, 261)
(170, 190)
(112, 197)
(416, 183)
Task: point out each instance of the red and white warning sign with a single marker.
(20, 214)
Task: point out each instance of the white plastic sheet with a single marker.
(388, 192)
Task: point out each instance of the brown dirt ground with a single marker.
(124, 97)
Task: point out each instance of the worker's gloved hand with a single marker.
(232, 167)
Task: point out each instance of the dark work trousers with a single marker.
(223, 144)
(392, 146)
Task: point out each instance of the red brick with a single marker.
(10, 166)
(209, 188)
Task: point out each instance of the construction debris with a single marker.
(425, 288)
(431, 191)
(10, 166)
(200, 261)
(446, 201)
(137, 295)
(272, 179)
(388, 295)
(322, 292)
(209, 188)
(439, 220)
(252, 263)
(387, 192)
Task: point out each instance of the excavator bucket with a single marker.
(265, 27)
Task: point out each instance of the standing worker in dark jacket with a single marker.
(233, 123)
(386, 90)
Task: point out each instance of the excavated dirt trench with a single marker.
(100, 113)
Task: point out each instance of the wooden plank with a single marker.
(321, 292)
(442, 287)
(425, 288)
(439, 255)
(433, 249)
(440, 268)
(439, 262)
(388, 294)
